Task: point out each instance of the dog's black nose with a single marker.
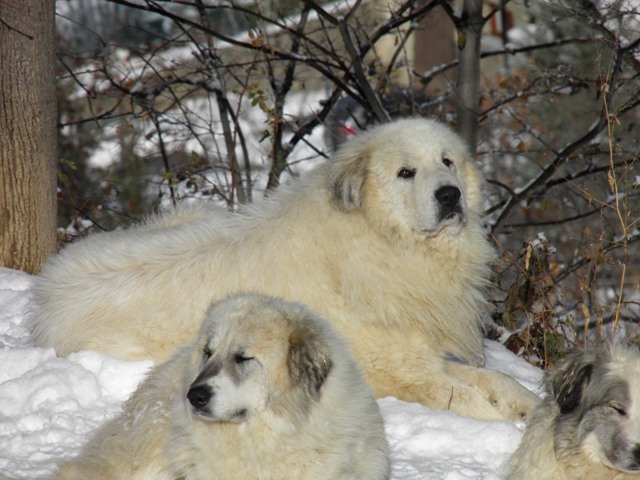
(199, 396)
(448, 196)
(636, 453)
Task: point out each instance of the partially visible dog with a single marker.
(267, 391)
(588, 427)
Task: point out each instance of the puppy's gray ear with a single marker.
(308, 361)
(568, 381)
(347, 175)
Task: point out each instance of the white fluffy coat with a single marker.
(356, 240)
(312, 418)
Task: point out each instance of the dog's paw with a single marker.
(515, 409)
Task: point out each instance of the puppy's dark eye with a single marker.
(619, 408)
(447, 162)
(407, 173)
(207, 353)
(240, 358)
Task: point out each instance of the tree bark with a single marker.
(28, 140)
(468, 90)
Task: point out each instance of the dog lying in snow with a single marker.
(267, 390)
(588, 426)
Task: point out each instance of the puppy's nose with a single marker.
(199, 396)
(448, 196)
(636, 453)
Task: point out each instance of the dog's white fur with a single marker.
(267, 391)
(362, 240)
(588, 426)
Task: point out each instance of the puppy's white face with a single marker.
(416, 176)
(232, 384)
(603, 419)
(611, 424)
(256, 353)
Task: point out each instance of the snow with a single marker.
(49, 406)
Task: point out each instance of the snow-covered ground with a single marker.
(49, 406)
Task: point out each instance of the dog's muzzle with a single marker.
(448, 199)
(200, 397)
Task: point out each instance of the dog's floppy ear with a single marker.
(347, 174)
(570, 378)
(308, 361)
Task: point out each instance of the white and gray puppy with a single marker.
(588, 426)
(267, 390)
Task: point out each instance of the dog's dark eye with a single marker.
(241, 358)
(619, 408)
(207, 353)
(447, 162)
(407, 173)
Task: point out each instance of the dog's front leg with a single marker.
(500, 391)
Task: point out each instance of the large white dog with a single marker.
(266, 391)
(385, 241)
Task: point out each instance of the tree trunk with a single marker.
(28, 141)
(469, 72)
